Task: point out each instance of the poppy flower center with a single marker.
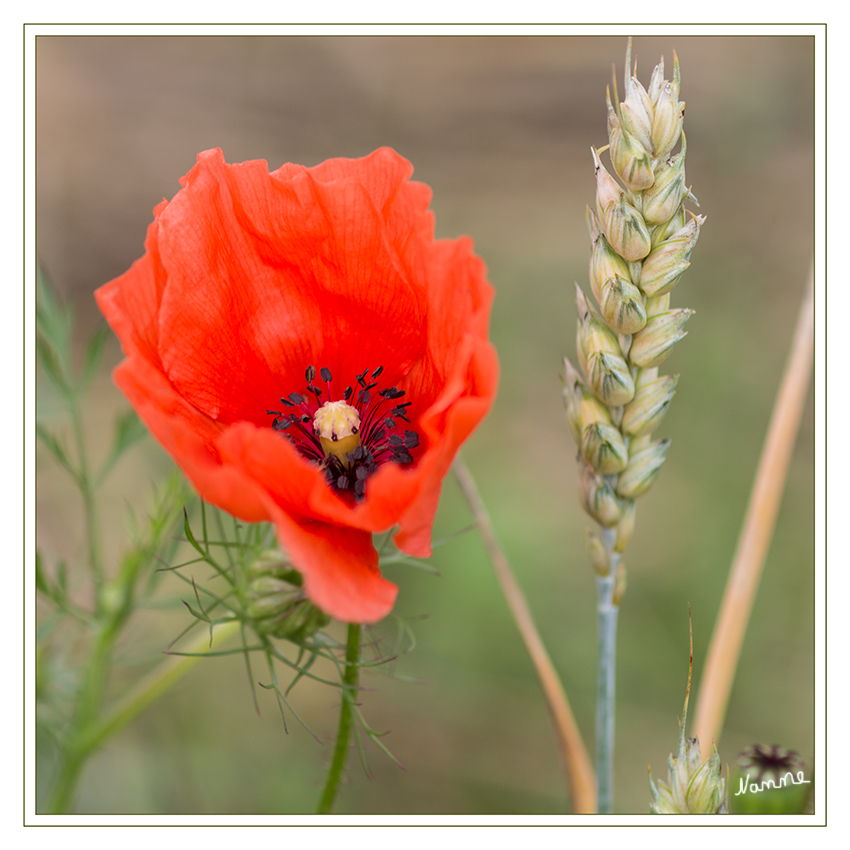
(337, 424)
(350, 437)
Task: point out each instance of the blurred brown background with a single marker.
(501, 129)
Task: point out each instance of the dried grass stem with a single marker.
(757, 531)
(576, 760)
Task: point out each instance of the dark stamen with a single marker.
(392, 392)
(380, 439)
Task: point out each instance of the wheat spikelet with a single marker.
(641, 241)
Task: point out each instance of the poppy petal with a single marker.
(250, 281)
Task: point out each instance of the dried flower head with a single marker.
(764, 762)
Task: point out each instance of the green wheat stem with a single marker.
(352, 669)
(641, 237)
(607, 612)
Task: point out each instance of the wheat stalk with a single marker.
(642, 237)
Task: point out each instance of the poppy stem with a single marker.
(349, 689)
(576, 760)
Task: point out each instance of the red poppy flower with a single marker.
(309, 354)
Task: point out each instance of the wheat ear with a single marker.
(641, 241)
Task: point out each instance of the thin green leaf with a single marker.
(247, 655)
(58, 450)
(54, 322)
(375, 736)
(454, 535)
(167, 569)
(281, 698)
(302, 671)
(129, 429)
(362, 753)
(281, 657)
(50, 361)
(94, 352)
(191, 537)
(41, 583)
(214, 653)
(54, 319)
(62, 578)
(219, 600)
(195, 614)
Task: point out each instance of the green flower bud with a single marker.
(653, 345)
(626, 525)
(642, 470)
(622, 306)
(600, 357)
(646, 410)
(597, 497)
(270, 596)
(604, 449)
(668, 260)
(626, 231)
(598, 554)
(662, 199)
(277, 604)
(273, 562)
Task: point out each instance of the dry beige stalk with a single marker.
(576, 760)
(760, 520)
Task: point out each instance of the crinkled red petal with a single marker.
(248, 278)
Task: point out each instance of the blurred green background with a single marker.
(501, 129)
